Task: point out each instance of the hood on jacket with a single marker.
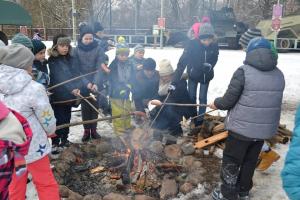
(262, 59)
(13, 80)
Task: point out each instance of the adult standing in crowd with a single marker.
(200, 57)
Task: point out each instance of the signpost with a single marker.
(276, 20)
(162, 22)
(155, 33)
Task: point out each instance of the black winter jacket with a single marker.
(62, 69)
(194, 56)
(145, 89)
(181, 96)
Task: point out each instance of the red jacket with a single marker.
(11, 154)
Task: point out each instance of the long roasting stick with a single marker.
(90, 104)
(71, 100)
(72, 79)
(185, 105)
(92, 121)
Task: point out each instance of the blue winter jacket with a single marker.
(291, 171)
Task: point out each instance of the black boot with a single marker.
(94, 134)
(217, 194)
(86, 135)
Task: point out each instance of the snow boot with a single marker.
(94, 134)
(267, 158)
(244, 196)
(86, 135)
(217, 194)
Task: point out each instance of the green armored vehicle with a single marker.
(288, 37)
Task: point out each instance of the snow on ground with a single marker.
(267, 185)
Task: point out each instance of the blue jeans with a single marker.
(192, 88)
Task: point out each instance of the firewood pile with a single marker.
(213, 134)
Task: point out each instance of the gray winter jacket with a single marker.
(254, 97)
(88, 58)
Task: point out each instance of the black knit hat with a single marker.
(149, 64)
(38, 46)
(86, 30)
(98, 27)
(249, 35)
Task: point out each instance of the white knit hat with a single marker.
(165, 68)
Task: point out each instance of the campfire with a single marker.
(135, 166)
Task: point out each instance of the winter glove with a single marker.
(207, 67)
(125, 92)
(171, 88)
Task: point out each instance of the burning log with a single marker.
(211, 140)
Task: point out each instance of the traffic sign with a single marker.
(276, 22)
(161, 21)
(277, 11)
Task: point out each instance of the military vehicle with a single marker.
(288, 37)
(228, 30)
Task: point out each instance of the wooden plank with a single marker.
(211, 140)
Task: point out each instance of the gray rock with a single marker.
(75, 196)
(173, 151)
(188, 148)
(143, 197)
(68, 156)
(168, 189)
(92, 197)
(169, 139)
(114, 196)
(186, 188)
(64, 191)
(156, 147)
(103, 148)
(188, 162)
(195, 178)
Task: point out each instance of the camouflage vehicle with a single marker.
(288, 37)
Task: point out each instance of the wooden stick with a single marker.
(72, 79)
(202, 114)
(91, 121)
(211, 140)
(71, 100)
(185, 105)
(90, 104)
(285, 132)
